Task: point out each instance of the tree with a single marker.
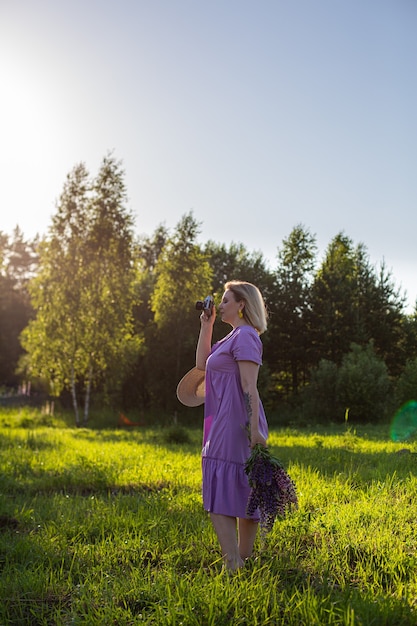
(363, 384)
(53, 339)
(83, 292)
(290, 334)
(18, 262)
(406, 387)
(183, 276)
(22, 260)
(237, 263)
(410, 334)
(384, 322)
(319, 397)
(108, 285)
(135, 392)
(352, 303)
(357, 389)
(150, 248)
(333, 318)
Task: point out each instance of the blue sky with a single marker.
(257, 116)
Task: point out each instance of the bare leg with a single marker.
(225, 528)
(247, 535)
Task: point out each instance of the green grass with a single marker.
(107, 527)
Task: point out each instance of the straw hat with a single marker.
(191, 389)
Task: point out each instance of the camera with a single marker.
(205, 305)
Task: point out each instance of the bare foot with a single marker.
(234, 564)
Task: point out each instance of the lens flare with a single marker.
(404, 423)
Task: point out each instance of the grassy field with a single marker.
(107, 527)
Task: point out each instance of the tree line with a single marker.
(92, 313)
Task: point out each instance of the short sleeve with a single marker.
(247, 345)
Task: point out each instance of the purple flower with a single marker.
(272, 490)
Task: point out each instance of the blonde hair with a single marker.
(254, 311)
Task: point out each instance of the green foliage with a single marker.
(236, 262)
(289, 329)
(406, 387)
(176, 434)
(410, 334)
(18, 262)
(114, 318)
(183, 276)
(350, 302)
(333, 300)
(32, 418)
(83, 292)
(358, 389)
(363, 384)
(382, 310)
(108, 528)
(320, 397)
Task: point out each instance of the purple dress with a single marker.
(225, 440)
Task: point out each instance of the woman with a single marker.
(234, 419)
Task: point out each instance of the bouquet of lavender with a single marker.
(272, 490)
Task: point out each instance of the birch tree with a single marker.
(83, 293)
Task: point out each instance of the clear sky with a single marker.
(256, 115)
